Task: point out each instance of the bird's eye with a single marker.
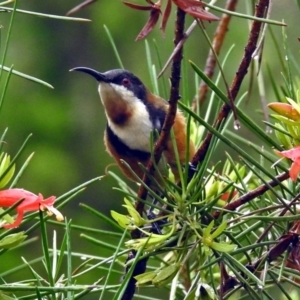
(125, 82)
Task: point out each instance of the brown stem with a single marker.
(169, 120)
(288, 239)
(159, 147)
(237, 81)
(217, 43)
(252, 194)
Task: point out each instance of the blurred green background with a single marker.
(67, 123)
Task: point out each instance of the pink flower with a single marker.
(31, 202)
(294, 155)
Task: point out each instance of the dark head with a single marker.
(123, 94)
(121, 81)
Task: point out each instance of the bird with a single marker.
(132, 113)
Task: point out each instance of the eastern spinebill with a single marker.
(132, 113)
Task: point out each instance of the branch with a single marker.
(159, 148)
(169, 120)
(217, 43)
(237, 81)
(286, 241)
(252, 194)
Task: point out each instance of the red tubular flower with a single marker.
(194, 8)
(166, 16)
(31, 202)
(154, 16)
(155, 11)
(294, 155)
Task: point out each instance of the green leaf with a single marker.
(6, 217)
(137, 219)
(244, 16)
(5, 297)
(145, 278)
(4, 8)
(4, 164)
(12, 240)
(219, 230)
(286, 120)
(165, 275)
(23, 75)
(222, 247)
(207, 230)
(122, 220)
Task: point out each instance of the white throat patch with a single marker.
(136, 133)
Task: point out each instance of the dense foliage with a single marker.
(231, 230)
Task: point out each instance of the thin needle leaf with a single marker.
(31, 78)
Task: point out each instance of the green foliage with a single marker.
(234, 224)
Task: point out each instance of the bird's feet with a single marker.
(151, 215)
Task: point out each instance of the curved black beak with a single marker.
(97, 75)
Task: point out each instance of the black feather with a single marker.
(122, 149)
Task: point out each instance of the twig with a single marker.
(79, 7)
(178, 46)
(237, 81)
(282, 213)
(252, 195)
(160, 146)
(288, 239)
(218, 40)
(169, 120)
(291, 238)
